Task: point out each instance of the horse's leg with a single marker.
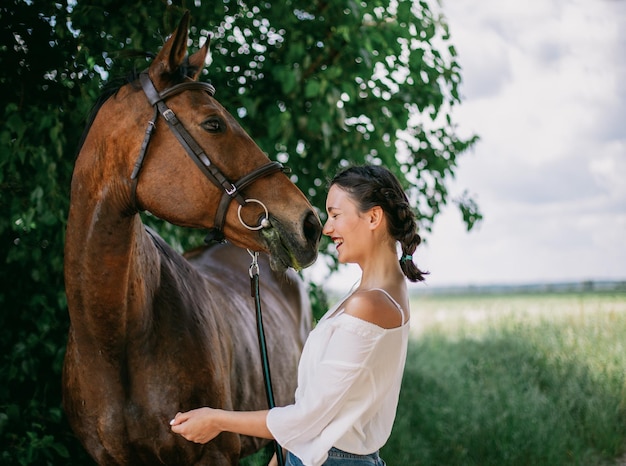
(102, 434)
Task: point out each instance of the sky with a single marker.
(544, 87)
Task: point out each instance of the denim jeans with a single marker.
(337, 457)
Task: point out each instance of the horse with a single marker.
(153, 332)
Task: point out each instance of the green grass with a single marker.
(513, 380)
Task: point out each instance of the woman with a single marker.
(351, 365)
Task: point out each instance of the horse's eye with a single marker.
(214, 125)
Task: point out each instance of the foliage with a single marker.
(317, 84)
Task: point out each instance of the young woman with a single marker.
(352, 363)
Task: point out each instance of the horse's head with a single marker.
(197, 167)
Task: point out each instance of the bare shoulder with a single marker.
(375, 307)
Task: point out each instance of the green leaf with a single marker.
(311, 89)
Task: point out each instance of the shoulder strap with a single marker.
(400, 310)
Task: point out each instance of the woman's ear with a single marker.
(376, 216)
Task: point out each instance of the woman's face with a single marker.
(346, 226)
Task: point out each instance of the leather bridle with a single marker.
(231, 190)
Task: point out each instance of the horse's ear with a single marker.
(198, 59)
(173, 53)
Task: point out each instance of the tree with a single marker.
(317, 84)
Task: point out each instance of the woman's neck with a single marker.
(381, 271)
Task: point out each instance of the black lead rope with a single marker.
(254, 290)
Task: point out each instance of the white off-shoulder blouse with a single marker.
(349, 380)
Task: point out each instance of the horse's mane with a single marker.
(112, 87)
(109, 89)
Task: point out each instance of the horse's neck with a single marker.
(111, 270)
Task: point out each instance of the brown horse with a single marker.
(153, 333)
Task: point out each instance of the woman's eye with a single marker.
(213, 125)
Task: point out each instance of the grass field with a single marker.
(512, 379)
(527, 379)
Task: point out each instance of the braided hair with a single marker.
(371, 186)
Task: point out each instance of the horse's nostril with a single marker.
(312, 229)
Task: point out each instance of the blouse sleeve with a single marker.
(339, 390)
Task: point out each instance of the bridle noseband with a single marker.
(231, 190)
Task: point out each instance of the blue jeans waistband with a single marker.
(338, 457)
(337, 453)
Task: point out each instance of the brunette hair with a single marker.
(371, 186)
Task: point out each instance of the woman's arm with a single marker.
(204, 424)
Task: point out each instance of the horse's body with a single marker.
(153, 333)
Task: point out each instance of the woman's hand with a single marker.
(198, 425)
(204, 424)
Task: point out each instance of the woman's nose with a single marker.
(327, 228)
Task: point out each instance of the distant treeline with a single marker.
(587, 286)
